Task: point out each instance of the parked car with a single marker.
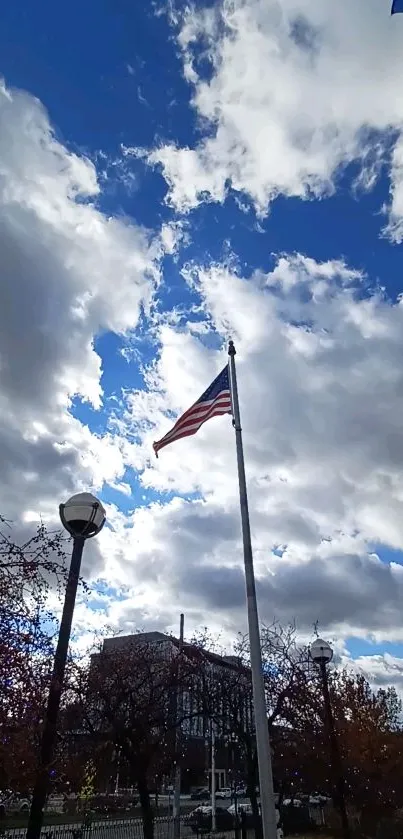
(201, 819)
(55, 803)
(323, 799)
(201, 794)
(244, 810)
(202, 809)
(14, 803)
(292, 802)
(224, 792)
(240, 808)
(296, 820)
(112, 804)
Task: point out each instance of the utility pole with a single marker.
(83, 516)
(337, 770)
(117, 773)
(268, 805)
(213, 784)
(178, 739)
(322, 654)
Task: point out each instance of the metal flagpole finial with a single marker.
(231, 347)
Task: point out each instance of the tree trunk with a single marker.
(146, 809)
(251, 759)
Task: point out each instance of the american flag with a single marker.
(216, 400)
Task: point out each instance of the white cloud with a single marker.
(321, 394)
(173, 234)
(321, 391)
(297, 90)
(67, 273)
(382, 671)
(395, 226)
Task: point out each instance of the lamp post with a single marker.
(213, 782)
(83, 516)
(322, 653)
(232, 742)
(117, 774)
(178, 736)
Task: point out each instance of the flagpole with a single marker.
(268, 808)
(178, 738)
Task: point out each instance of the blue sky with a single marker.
(250, 170)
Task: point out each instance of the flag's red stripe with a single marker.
(199, 413)
(200, 404)
(200, 409)
(198, 417)
(195, 424)
(189, 432)
(221, 405)
(191, 428)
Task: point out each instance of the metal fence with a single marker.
(97, 829)
(130, 828)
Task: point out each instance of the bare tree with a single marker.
(127, 699)
(28, 572)
(287, 677)
(127, 702)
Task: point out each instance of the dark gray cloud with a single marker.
(348, 593)
(353, 593)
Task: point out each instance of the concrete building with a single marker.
(197, 730)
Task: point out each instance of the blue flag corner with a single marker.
(397, 6)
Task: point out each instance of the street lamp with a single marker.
(83, 516)
(213, 781)
(232, 742)
(322, 654)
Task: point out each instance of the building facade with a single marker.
(204, 727)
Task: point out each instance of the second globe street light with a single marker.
(83, 516)
(322, 654)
